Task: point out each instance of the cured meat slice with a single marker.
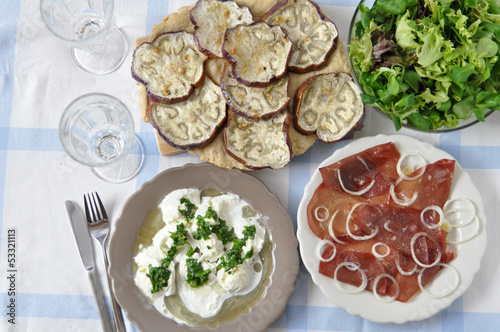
(433, 187)
(360, 254)
(321, 209)
(357, 171)
(355, 222)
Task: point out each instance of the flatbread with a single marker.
(214, 152)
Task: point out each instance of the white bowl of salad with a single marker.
(430, 65)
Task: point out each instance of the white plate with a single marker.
(468, 255)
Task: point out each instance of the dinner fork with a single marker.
(98, 223)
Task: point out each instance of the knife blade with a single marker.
(81, 234)
(84, 244)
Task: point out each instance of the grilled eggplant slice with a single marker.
(211, 19)
(170, 67)
(314, 36)
(329, 105)
(192, 123)
(254, 102)
(259, 143)
(258, 53)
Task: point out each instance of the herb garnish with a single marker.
(180, 236)
(196, 276)
(159, 275)
(220, 228)
(204, 231)
(190, 210)
(233, 255)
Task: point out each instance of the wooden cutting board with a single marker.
(163, 147)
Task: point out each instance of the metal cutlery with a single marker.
(98, 224)
(84, 244)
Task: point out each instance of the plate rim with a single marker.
(277, 293)
(354, 307)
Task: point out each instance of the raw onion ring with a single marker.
(355, 193)
(330, 229)
(320, 245)
(437, 296)
(438, 210)
(355, 237)
(471, 236)
(412, 245)
(377, 295)
(351, 267)
(406, 273)
(400, 162)
(386, 226)
(316, 214)
(376, 254)
(400, 201)
(447, 210)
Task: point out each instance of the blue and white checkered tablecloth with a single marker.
(38, 79)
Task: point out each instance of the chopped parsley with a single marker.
(159, 275)
(190, 210)
(180, 236)
(204, 231)
(220, 228)
(249, 232)
(233, 256)
(196, 276)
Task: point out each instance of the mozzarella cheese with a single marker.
(221, 284)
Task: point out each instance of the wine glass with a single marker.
(97, 130)
(98, 46)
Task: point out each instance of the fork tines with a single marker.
(94, 209)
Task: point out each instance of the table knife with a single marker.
(84, 244)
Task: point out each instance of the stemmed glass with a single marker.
(98, 46)
(97, 130)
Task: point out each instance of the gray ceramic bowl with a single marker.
(279, 286)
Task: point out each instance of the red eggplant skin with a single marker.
(286, 126)
(233, 61)
(160, 99)
(311, 67)
(296, 113)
